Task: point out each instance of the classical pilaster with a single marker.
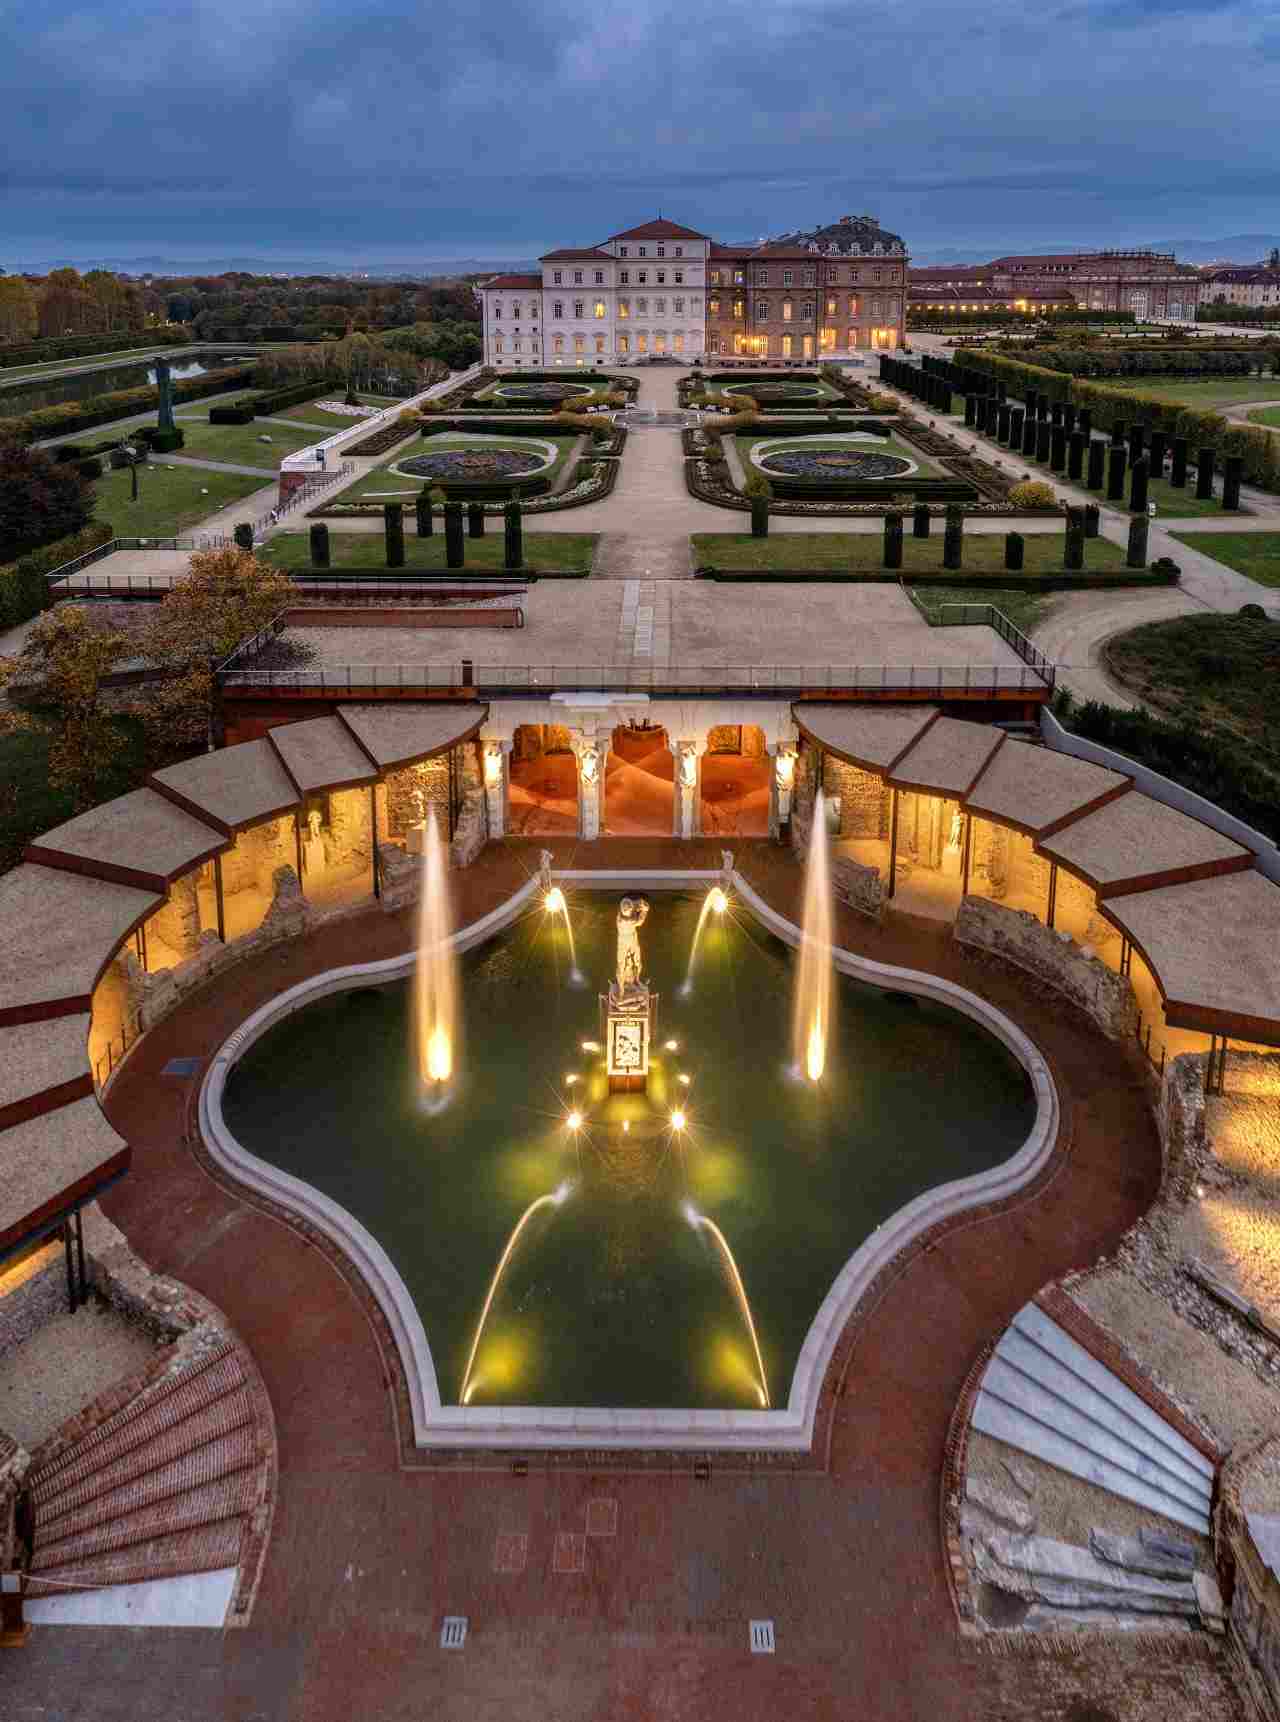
(590, 760)
(686, 821)
(496, 765)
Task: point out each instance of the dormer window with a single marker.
(622, 251)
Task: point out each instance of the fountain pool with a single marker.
(565, 1245)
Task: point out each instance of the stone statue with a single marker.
(688, 764)
(313, 822)
(589, 764)
(544, 869)
(164, 382)
(632, 914)
(953, 841)
(419, 800)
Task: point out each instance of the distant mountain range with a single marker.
(419, 271)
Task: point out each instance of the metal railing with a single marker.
(303, 493)
(979, 615)
(498, 679)
(116, 1050)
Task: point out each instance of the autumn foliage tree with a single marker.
(40, 499)
(227, 596)
(64, 658)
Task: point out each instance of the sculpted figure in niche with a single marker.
(632, 914)
(688, 764)
(589, 764)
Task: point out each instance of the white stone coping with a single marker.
(759, 451)
(527, 444)
(308, 459)
(534, 1427)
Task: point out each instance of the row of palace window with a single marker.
(624, 277)
(796, 346)
(808, 277)
(761, 310)
(623, 344)
(599, 309)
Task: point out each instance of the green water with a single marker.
(612, 1298)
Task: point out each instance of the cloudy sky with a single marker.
(394, 132)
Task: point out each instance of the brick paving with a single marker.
(568, 1623)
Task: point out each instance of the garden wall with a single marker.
(1017, 937)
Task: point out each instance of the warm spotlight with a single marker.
(678, 1120)
(672, 1045)
(685, 1079)
(572, 1078)
(591, 1046)
(554, 902)
(719, 902)
(574, 1121)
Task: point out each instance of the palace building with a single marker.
(665, 291)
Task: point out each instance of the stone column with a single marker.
(496, 764)
(685, 819)
(590, 756)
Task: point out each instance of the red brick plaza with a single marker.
(621, 1592)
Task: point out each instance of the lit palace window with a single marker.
(557, 343)
(786, 310)
(599, 343)
(678, 343)
(853, 337)
(624, 343)
(579, 344)
(713, 307)
(853, 306)
(715, 278)
(497, 343)
(786, 346)
(624, 307)
(598, 308)
(831, 307)
(739, 307)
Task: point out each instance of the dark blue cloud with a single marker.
(395, 131)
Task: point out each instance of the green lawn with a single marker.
(864, 551)
(747, 440)
(1023, 608)
(1256, 554)
(1217, 670)
(239, 444)
(384, 485)
(310, 414)
(168, 502)
(1267, 415)
(365, 552)
(1198, 392)
(1183, 504)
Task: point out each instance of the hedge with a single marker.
(1185, 752)
(1120, 359)
(234, 415)
(379, 441)
(1259, 450)
(24, 591)
(89, 346)
(276, 400)
(73, 416)
(818, 489)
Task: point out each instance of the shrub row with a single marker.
(240, 414)
(1257, 447)
(24, 590)
(89, 346)
(276, 400)
(379, 441)
(1185, 752)
(819, 489)
(1160, 360)
(121, 403)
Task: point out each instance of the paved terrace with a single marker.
(648, 1622)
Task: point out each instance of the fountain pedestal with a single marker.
(628, 1007)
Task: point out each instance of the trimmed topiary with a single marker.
(1033, 493)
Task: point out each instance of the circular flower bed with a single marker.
(767, 391)
(473, 463)
(834, 463)
(540, 391)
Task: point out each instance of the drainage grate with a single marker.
(182, 1067)
(762, 1638)
(453, 1634)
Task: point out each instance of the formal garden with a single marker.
(563, 553)
(440, 456)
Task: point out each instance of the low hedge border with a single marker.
(24, 590)
(90, 346)
(700, 483)
(397, 431)
(985, 582)
(606, 478)
(74, 416)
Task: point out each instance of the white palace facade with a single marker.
(638, 293)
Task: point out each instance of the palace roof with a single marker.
(508, 283)
(567, 252)
(660, 230)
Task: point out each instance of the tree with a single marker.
(17, 309)
(67, 653)
(227, 596)
(40, 499)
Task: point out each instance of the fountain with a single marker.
(697, 1220)
(435, 1016)
(629, 1005)
(555, 902)
(813, 996)
(553, 1199)
(715, 902)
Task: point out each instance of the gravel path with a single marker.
(65, 1364)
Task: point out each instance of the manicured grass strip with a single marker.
(1200, 392)
(168, 502)
(240, 444)
(365, 552)
(1266, 416)
(1023, 608)
(1256, 554)
(864, 552)
(830, 440)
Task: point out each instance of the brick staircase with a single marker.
(168, 1484)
